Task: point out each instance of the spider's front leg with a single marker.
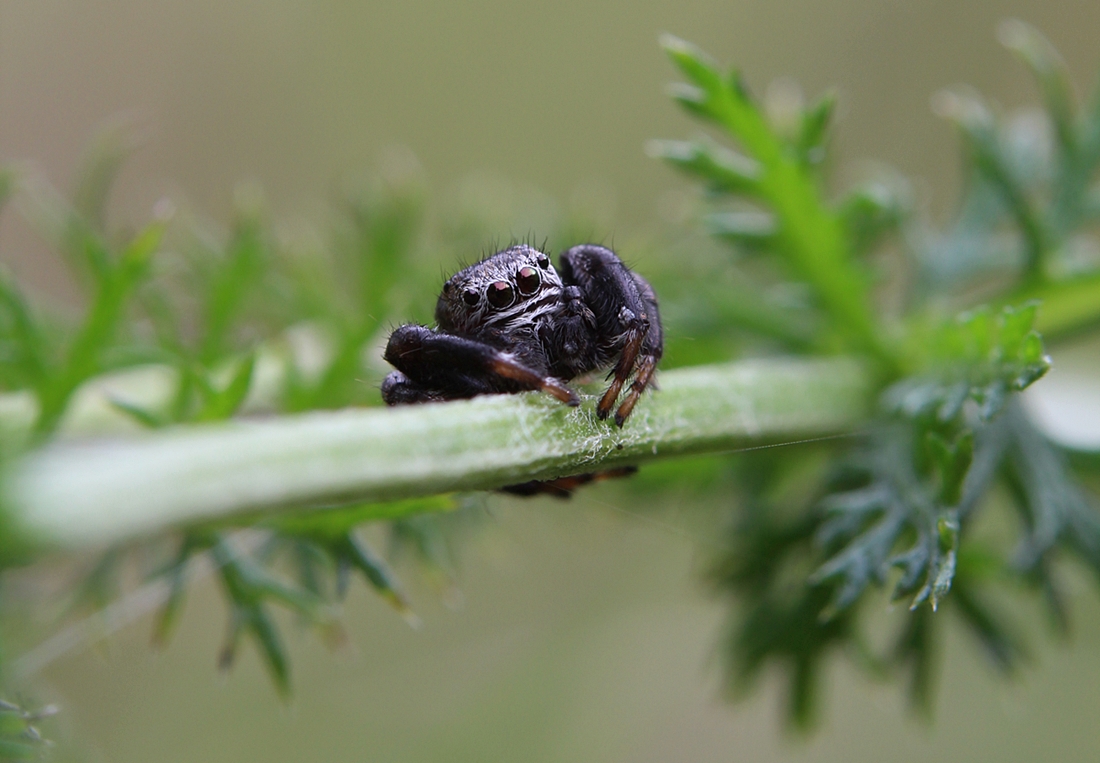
(434, 365)
(627, 319)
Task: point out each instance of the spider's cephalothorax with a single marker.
(512, 323)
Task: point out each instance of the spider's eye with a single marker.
(543, 261)
(501, 294)
(471, 297)
(528, 281)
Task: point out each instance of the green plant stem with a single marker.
(77, 494)
(1069, 306)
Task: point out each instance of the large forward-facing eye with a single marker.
(528, 281)
(501, 294)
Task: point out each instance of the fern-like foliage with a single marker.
(895, 510)
(243, 323)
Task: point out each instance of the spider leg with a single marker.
(398, 389)
(627, 317)
(563, 487)
(642, 379)
(622, 370)
(434, 365)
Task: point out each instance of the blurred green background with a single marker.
(584, 632)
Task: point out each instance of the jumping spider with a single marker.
(512, 323)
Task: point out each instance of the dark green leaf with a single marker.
(340, 520)
(1055, 508)
(147, 418)
(979, 129)
(232, 280)
(222, 404)
(1003, 647)
(101, 164)
(915, 649)
(814, 128)
(25, 361)
(176, 575)
(249, 587)
(353, 552)
(870, 213)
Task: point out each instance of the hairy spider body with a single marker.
(512, 322)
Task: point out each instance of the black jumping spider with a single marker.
(512, 323)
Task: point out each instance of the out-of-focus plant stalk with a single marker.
(98, 492)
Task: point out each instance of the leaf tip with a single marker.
(1014, 33)
(674, 45)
